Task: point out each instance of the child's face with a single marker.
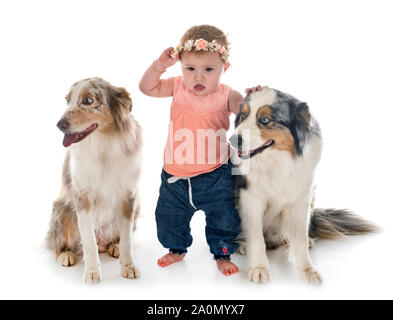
(202, 71)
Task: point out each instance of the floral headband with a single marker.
(202, 44)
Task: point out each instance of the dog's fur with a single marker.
(279, 144)
(99, 201)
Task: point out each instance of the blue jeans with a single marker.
(210, 192)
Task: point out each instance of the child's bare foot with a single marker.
(169, 258)
(227, 267)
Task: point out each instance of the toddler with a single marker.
(196, 175)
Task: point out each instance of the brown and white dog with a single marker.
(279, 144)
(98, 202)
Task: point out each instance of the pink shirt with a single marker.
(197, 131)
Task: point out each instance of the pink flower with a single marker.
(221, 49)
(201, 44)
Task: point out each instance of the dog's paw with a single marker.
(310, 275)
(258, 274)
(66, 259)
(129, 271)
(242, 250)
(92, 277)
(113, 250)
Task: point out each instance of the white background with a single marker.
(335, 55)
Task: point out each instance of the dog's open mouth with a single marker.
(248, 154)
(71, 138)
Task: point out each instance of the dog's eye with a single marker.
(87, 101)
(242, 116)
(264, 120)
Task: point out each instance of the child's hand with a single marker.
(166, 59)
(255, 89)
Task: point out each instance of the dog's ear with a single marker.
(300, 125)
(304, 112)
(119, 97)
(120, 105)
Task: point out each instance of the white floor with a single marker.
(354, 268)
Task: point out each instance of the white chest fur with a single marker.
(277, 179)
(103, 171)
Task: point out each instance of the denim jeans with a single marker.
(212, 193)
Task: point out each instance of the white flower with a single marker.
(188, 45)
(214, 45)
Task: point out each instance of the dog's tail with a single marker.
(337, 223)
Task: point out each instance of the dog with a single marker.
(279, 144)
(98, 204)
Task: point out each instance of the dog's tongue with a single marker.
(243, 153)
(69, 139)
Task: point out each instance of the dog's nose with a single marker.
(236, 141)
(63, 125)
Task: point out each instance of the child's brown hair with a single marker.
(206, 32)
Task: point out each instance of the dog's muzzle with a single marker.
(63, 125)
(236, 141)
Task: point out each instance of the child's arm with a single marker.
(234, 100)
(151, 84)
